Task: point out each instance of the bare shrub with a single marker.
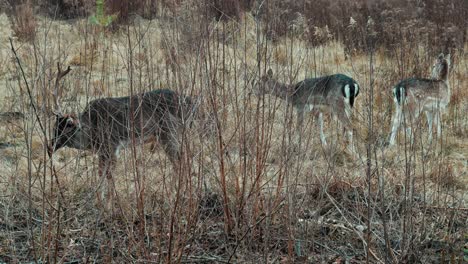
(224, 9)
(124, 9)
(278, 16)
(396, 22)
(149, 8)
(66, 9)
(444, 176)
(23, 22)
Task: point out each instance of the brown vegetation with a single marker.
(250, 187)
(23, 22)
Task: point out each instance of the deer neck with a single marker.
(444, 77)
(443, 74)
(80, 140)
(282, 90)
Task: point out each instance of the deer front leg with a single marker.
(169, 136)
(322, 135)
(349, 127)
(105, 176)
(102, 180)
(170, 143)
(110, 181)
(300, 117)
(429, 117)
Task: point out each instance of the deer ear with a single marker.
(441, 56)
(56, 113)
(270, 73)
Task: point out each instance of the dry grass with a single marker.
(24, 23)
(286, 201)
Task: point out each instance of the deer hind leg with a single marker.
(407, 122)
(322, 134)
(430, 117)
(344, 117)
(396, 124)
(410, 119)
(439, 125)
(153, 145)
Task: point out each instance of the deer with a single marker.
(109, 124)
(413, 96)
(333, 94)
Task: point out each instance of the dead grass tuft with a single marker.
(23, 22)
(444, 176)
(224, 10)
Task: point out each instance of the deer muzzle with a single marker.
(50, 148)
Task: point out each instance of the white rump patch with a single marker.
(402, 95)
(356, 89)
(122, 144)
(347, 91)
(347, 101)
(309, 107)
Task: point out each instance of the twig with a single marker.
(358, 233)
(445, 208)
(250, 228)
(36, 115)
(209, 259)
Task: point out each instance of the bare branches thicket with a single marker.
(251, 186)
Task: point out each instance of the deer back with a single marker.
(324, 89)
(109, 121)
(423, 91)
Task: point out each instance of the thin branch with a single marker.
(36, 114)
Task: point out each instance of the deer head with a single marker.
(268, 85)
(65, 125)
(264, 84)
(441, 67)
(65, 128)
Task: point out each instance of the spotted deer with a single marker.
(108, 124)
(416, 95)
(333, 94)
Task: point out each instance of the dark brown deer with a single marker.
(108, 124)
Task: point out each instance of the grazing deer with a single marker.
(333, 93)
(414, 95)
(108, 124)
